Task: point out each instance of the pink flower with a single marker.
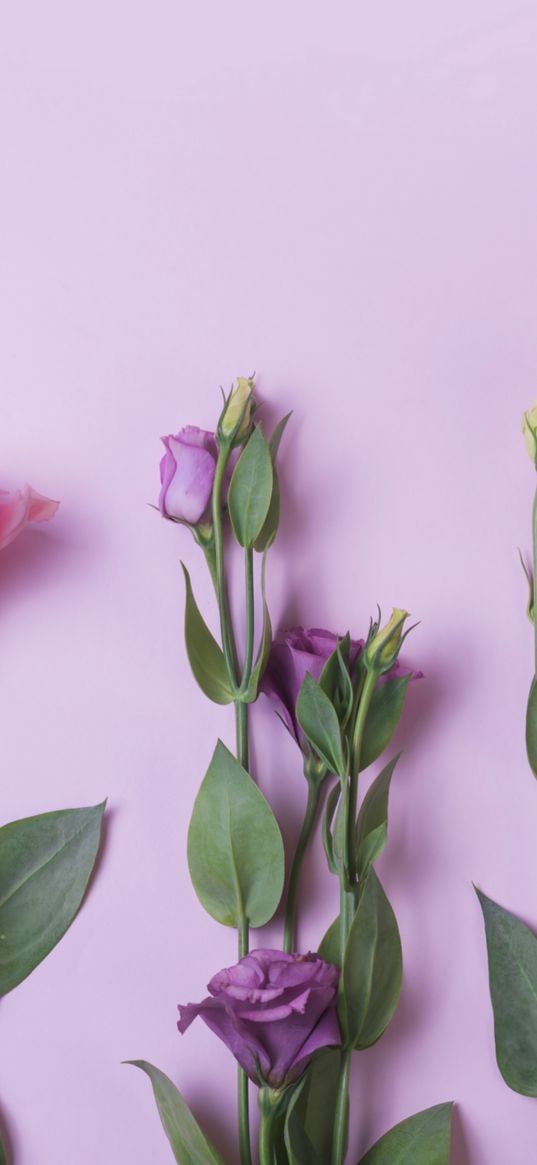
(187, 474)
(21, 507)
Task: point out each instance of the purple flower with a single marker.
(187, 474)
(273, 1011)
(299, 651)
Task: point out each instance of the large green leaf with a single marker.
(422, 1139)
(512, 955)
(310, 1116)
(531, 727)
(204, 653)
(250, 490)
(270, 526)
(318, 720)
(45, 865)
(235, 848)
(190, 1145)
(372, 827)
(372, 967)
(382, 718)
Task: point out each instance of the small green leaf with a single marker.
(336, 681)
(329, 945)
(372, 826)
(422, 1139)
(235, 848)
(531, 727)
(318, 720)
(45, 865)
(382, 718)
(512, 955)
(189, 1143)
(310, 1118)
(205, 656)
(372, 967)
(250, 490)
(272, 520)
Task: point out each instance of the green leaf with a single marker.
(318, 720)
(250, 490)
(372, 967)
(310, 1117)
(512, 955)
(205, 656)
(235, 848)
(329, 945)
(372, 826)
(272, 520)
(382, 718)
(336, 682)
(45, 865)
(3, 1154)
(190, 1145)
(422, 1139)
(531, 727)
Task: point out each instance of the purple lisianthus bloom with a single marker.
(187, 474)
(273, 1011)
(299, 651)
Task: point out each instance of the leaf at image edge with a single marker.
(188, 1141)
(45, 865)
(422, 1139)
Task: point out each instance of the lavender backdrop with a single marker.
(346, 203)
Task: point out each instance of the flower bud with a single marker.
(236, 418)
(383, 646)
(187, 474)
(529, 429)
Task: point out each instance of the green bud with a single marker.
(529, 429)
(382, 648)
(236, 419)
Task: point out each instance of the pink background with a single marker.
(344, 201)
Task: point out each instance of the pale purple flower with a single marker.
(187, 474)
(273, 1011)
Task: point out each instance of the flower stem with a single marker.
(266, 1128)
(228, 644)
(308, 825)
(352, 791)
(535, 571)
(249, 642)
(341, 1120)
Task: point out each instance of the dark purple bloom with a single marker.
(187, 474)
(273, 1011)
(299, 651)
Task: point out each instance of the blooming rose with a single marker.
(299, 651)
(19, 508)
(187, 474)
(273, 1011)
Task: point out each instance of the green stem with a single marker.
(535, 572)
(249, 643)
(341, 1120)
(228, 644)
(266, 1129)
(242, 1079)
(352, 791)
(308, 825)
